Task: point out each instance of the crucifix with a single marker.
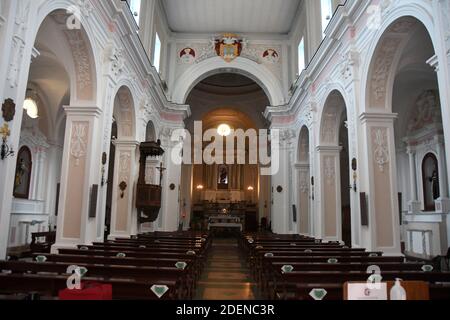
(161, 170)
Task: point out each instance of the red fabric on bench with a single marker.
(88, 291)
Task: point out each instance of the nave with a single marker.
(199, 266)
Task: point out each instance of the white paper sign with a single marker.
(363, 291)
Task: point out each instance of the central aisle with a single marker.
(226, 276)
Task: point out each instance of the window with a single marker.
(157, 52)
(135, 7)
(327, 13)
(301, 56)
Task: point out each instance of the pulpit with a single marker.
(148, 196)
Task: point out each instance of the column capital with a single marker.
(329, 149)
(378, 117)
(126, 143)
(80, 110)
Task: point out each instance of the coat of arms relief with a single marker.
(228, 46)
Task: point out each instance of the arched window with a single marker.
(430, 179)
(23, 174)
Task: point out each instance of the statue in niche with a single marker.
(434, 180)
(430, 178)
(223, 177)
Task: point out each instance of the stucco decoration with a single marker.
(380, 147)
(78, 143)
(330, 169)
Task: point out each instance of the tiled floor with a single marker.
(226, 276)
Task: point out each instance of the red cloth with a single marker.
(88, 291)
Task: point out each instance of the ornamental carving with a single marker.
(380, 147)
(382, 66)
(304, 181)
(330, 169)
(124, 165)
(82, 62)
(329, 126)
(79, 141)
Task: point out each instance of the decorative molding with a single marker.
(79, 141)
(82, 62)
(380, 147)
(304, 180)
(330, 169)
(124, 165)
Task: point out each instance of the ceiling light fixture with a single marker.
(224, 130)
(31, 107)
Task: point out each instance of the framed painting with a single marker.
(22, 176)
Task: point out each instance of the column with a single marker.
(123, 211)
(80, 170)
(414, 206)
(15, 45)
(380, 172)
(281, 212)
(329, 189)
(169, 217)
(303, 195)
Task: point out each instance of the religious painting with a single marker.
(430, 178)
(187, 55)
(23, 174)
(271, 56)
(229, 47)
(223, 177)
(8, 110)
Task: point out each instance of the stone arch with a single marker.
(332, 111)
(198, 72)
(124, 113)
(386, 51)
(84, 64)
(303, 145)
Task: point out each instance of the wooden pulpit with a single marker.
(148, 196)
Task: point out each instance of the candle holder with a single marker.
(6, 150)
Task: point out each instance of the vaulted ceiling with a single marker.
(240, 16)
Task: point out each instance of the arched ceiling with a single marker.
(228, 91)
(240, 16)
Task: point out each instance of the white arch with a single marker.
(127, 85)
(47, 8)
(335, 88)
(197, 72)
(413, 9)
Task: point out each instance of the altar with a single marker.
(225, 221)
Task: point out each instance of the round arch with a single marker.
(332, 109)
(396, 20)
(124, 112)
(84, 86)
(303, 145)
(198, 72)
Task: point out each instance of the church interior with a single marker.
(225, 150)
